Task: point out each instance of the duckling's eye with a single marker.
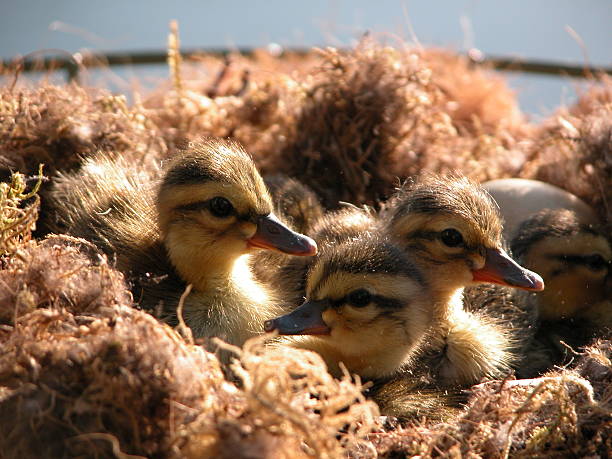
(595, 262)
(359, 298)
(451, 237)
(220, 207)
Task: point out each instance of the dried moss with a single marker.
(84, 373)
(349, 123)
(567, 412)
(117, 380)
(59, 125)
(59, 272)
(291, 402)
(573, 149)
(89, 384)
(18, 212)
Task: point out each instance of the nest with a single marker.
(18, 212)
(59, 272)
(116, 382)
(563, 412)
(59, 126)
(83, 372)
(573, 149)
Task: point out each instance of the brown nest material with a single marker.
(59, 125)
(246, 98)
(119, 383)
(568, 412)
(349, 123)
(61, 272)
(113, 384)
(238, 98)
(573, 149)
(478, 100)
(373, 114)
(291, 408)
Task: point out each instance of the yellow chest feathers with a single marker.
(233, 308)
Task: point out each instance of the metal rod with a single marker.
(76, 62)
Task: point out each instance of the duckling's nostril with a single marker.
(270, 325)
(272, 229)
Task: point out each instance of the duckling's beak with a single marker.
(305, 320)
(271, 234)
(500, 268)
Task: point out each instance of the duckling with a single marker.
(295, 203)
(297, 206)
(194, 221)
(406, 398)
(328, 230)
(453, 231)
(367, 307)
(350, 222)
(575, 260)
(518, 198)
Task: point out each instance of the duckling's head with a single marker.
(342, 225)
(367, 306)
(453, 228)
(575, 260)
(213, 206)
(295, 201)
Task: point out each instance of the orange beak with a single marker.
(500, 268)
(305, 320)
(271, 234)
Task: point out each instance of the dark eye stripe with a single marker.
(194, 206)
(199, 206)
(383, 302)
(427, 235)
(596, 261)
(388, 303)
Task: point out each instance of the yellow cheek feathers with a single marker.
(499, 268)
(273, 235)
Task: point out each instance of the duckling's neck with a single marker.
(370, 364)
(203, 269)
(446, 302)
(227, 301)
(445, 286)
(471, 347)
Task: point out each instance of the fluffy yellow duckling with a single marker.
(575, 260)
(367, 307)
(194, 221)
(452, 230)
